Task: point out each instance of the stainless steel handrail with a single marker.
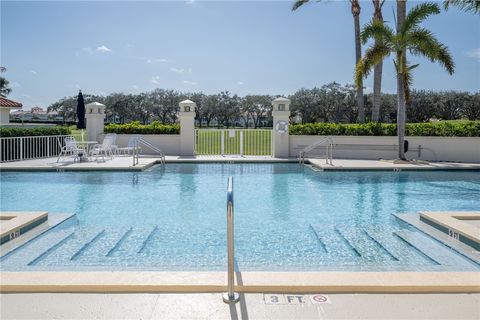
(230, 295)
(136, 150)
(328, 154)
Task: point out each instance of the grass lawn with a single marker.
(255, 142)
(77, 134)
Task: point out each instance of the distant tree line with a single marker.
(330, 103)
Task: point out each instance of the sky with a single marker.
(53, 49)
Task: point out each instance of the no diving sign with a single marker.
(320, 299)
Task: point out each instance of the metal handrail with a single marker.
(328, 152)
(141, 140)
(230, 295)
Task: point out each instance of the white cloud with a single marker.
(33, 72)
(190, 82)
(155, 80)
(155, 60)
(177, 70)
(474, 53)
(27, 96)
(189, 70)
(135, 87)
(103, 49)
(15, 84)
(240, 83)
(190, 2)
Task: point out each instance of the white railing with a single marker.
(327, 141)
(243, 142)
(24, 148)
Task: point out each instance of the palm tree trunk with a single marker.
(377, 73)
(358, 56)
(401, 56)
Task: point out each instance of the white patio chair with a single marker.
(71, 148)
(104, 149)
(132, 145)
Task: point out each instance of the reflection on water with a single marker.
(264, 194)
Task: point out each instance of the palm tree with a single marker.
(355, 9)
(377, 72)
(465, 5)
(408, 37)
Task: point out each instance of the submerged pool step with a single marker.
(367, 247)
(103, 247)
(131, 243)
(397, 247)
(435, 250)
(334, 244)
(73, 248)
(37, 248)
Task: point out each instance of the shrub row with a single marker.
(135, 127)
(28, 132)
(432, 129)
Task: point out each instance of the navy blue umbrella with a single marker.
(80, 111)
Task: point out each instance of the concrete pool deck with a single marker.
(250, 306)
(126, 163)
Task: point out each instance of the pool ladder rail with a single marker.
(328, 141)
(230, 295)
(136, 150)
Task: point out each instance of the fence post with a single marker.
(222, 142)
(187, 128)
(280, 136)
(241, 143)
(21, 148)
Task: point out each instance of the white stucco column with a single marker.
(4, 115)
(94, 115)
(187, 127)
(281, 118)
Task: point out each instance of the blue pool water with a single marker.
(288, 217)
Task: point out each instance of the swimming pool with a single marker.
(287, 217)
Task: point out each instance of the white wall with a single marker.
(4, 115)
(168, 143)
(458, 149)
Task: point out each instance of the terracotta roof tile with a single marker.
(4, 102)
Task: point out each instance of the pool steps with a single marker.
(348, 245)
(437, 252)
(87, 245)
(119, 242)
(148, 239)
(45, 254)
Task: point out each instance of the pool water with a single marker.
(287, 217)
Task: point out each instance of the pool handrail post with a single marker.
(230, 295)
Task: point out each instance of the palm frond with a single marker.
(376, 30)
(418, 14)
(373, 56)
(408, 81)
(465, 5)
(298, 4)
(422, 41)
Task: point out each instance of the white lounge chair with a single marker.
(132, 146)
(71, 148)
(104, 149)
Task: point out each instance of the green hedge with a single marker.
(432, 129)
(136, 128)
(40, 131)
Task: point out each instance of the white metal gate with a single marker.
(243, 142)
